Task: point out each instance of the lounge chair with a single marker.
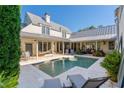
(52, 83)
(79, 82)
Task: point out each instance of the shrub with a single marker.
(9, 45)
(98, 53)
(111, 64)
(78, 52)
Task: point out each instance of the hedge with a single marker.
(9, 45)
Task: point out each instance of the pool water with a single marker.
(58, 66)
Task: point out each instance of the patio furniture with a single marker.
(44, 53)
(52, 83)
(71, 51)
(25, 55)
(79, 82)
(67, 51)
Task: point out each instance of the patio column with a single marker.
(37, 49)
(96, 46)
(76, 46)
(80, 45)
(52, 47)
(55, 47)
(73, 45)
(63, 47)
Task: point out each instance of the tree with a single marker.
(92, 27)
(9, 45)
(87, 28)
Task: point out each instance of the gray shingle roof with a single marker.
(34, 18)
(107, 30)
(37, 20)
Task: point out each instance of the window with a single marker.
(47, 30)
(63, 34)
(40, 46)
(60, 29)
(111, 45)
(43, 29)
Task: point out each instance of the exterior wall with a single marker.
(31, 41)
(120, 23)
(55, 33)
(38, 30)
(104, 45)
(32, 29)
(121, 27)
(68, 35)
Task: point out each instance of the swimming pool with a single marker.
(58, 66)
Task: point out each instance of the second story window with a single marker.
(47, 30)
(63, 34)
(43, 29)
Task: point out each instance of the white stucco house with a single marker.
(40, 34)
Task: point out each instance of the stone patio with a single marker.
(31, 77)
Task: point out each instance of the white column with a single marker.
(96, 46)
(52, 47)
(73, 45)
(63, 47)
(80, 45)
(76, 46)
(37, 49)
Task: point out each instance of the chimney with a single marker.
(47, 17)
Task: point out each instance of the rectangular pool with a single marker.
(58, 66)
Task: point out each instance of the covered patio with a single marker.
(41, 45)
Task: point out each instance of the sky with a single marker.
(74, 17)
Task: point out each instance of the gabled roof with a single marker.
(37, 20)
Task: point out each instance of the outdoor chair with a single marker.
(80, 82)
(52, 83)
